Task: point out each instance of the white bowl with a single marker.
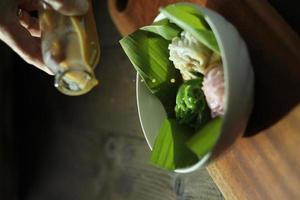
(239, 82)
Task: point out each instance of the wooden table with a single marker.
(265, 163)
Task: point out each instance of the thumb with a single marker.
(69, 7)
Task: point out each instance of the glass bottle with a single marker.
(70, 49)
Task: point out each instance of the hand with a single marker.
(20, 31)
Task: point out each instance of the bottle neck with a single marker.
(75, 82)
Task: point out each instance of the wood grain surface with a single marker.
(265, 163)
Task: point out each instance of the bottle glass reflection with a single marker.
(70, 49)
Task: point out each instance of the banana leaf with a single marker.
(205, 139)
(164, 28)
(176, 146)
(149, 54)
(191, 20)
(169, 151)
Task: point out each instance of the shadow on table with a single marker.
(274, 51)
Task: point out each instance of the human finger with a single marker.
(30, 23)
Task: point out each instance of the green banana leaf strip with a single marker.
(164, 28)
(149, 54)
(205, 139)
(189, 19)
(199, 22)
(169, 151)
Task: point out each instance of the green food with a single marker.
(183, 140)
(191, 107)
(169, 151)
(189, 19)
(164, 28)
(205, 139)
(149, 54)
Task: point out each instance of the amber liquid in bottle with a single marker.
(70, 49)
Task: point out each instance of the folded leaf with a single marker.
(169, 151)
(205, 139)
(164, 28)
(149, 54)
(191, 20)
